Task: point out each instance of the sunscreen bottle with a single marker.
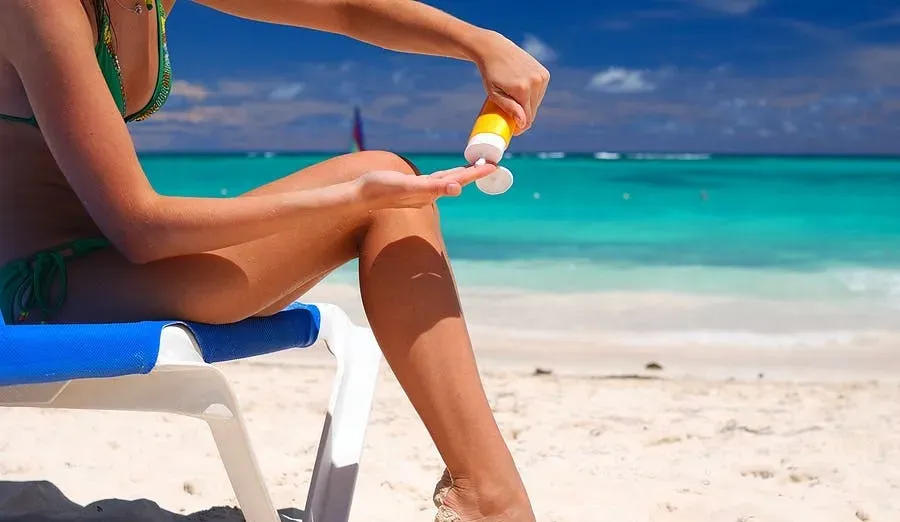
(488, 141)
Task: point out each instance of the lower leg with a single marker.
(412, 304)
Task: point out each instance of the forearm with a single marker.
(400, 25)
(412, 27)
(172, 226)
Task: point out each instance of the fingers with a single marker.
(537, 87)
(448, 182)
(522, 96)
(472, 174)
(444, 173)
(528, 93)
(518, 105)
(470, 170)
(452, 189)
(511, 105)
(435, 187)
(542, 80)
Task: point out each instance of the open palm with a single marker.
(392, 189)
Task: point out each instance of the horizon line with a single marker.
(623, 154)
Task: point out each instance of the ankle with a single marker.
(498, 472)
(493, 496)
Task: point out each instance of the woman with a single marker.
(83, 236)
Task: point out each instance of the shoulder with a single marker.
(13, 13)
(43, 30)
(31, 19)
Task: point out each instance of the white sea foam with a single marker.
(665, 156)
(884, 284)
(551, 155)
(739, 339)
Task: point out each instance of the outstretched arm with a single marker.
(399, 25)
(50, 44)
(515, 81)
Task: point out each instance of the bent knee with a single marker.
(386, 160)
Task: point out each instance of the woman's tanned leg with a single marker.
(408, 292)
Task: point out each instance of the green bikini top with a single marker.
(109, 66)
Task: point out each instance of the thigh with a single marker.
(225, 285)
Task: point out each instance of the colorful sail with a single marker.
(358, 141)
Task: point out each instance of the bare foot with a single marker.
(459, 501)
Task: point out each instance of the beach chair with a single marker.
(166, 366)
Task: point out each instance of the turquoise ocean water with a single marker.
(782, 228)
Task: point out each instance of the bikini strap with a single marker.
(106, 55)
(39, 284)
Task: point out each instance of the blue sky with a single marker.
(784, 76)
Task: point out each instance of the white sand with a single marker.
(816, 438)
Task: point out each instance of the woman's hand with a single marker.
(390, 189)
(513, 79)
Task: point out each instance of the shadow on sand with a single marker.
(42, 501)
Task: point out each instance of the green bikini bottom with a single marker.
(35, 288)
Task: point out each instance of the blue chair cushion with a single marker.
(32, 354)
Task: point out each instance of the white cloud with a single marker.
(731, 7)
(537, 48)
(236, 88)
(252, 114)
(287, 92)
(220, 115)
(191, 91)
(857, 87)
(888, 21)
(618, 80)
(877, 63)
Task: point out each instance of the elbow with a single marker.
(136, 246)
(138, 236)
(136, 253)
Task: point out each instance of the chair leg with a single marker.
(181, 383)
(340, 447)
(243, 470)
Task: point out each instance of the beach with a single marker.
(684, 304)
(613, 412)
(687, 339)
